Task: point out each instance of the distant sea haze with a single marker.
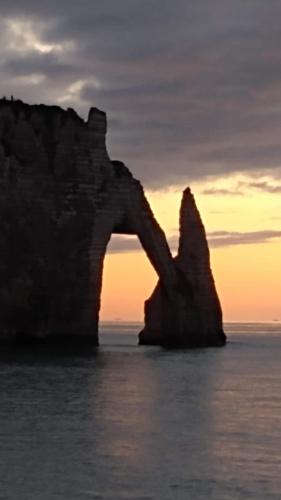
(131, 422)
(232, 327)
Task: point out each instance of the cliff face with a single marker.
(193, 317)
(61, 198)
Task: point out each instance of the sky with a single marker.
(192, 91)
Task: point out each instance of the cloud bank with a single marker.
(216, 239)
(192, 89)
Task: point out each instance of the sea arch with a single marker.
(127, 212)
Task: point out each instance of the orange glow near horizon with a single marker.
(128, 279)
(249, 285)
(248, 280)
(247, 276)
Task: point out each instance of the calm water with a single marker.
(144, 423)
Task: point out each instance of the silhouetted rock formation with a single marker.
(61, 199)
(193, 316)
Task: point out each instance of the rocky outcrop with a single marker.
(192, 317)
(61, 199)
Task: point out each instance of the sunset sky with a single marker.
(192, 92)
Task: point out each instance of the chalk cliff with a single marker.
(61, 199)
(193, 317)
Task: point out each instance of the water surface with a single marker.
(131, 422)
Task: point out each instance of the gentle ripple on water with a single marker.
(143, 423)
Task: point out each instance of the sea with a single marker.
(143, 423)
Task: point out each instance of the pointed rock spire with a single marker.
(193, 317)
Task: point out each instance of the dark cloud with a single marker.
(216, 239)
(48, 64)
(192, 89)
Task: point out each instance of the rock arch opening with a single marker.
(128, 278)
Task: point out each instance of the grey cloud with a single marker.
(192, 89)
(222, 192)
(48, 64)
(225, 238)
(216, 239)
(141, 90)
(265, 187)
(121, 244)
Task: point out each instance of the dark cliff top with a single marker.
(17, 106)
